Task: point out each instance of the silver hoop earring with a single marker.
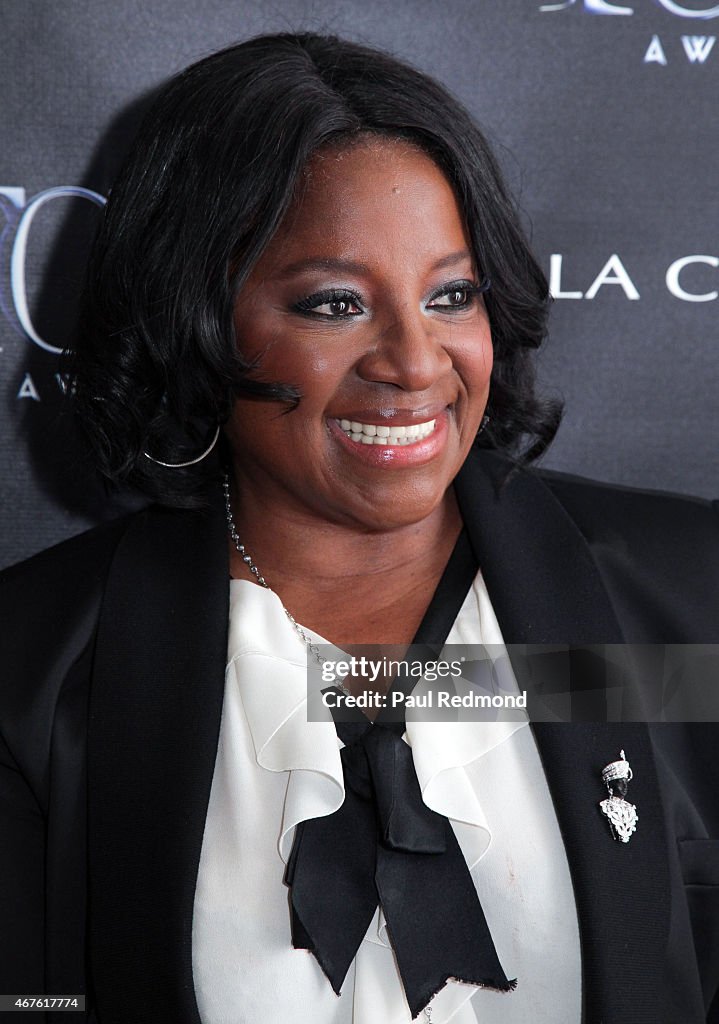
(483, 424)
(190, 462)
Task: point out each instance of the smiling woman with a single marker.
(368, 299)
(268, 122)
(308, 336)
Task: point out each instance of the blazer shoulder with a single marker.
(65, 570)
(45, 596)
(604, 508)
(655, 515)
(657, 552)
(48, 609)
(661, 548)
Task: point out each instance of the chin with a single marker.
(398, 512)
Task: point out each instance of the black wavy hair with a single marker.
(210, 177)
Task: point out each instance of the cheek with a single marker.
(475, 360)
(284, 355)
(486, 358)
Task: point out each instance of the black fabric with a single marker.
(158, 693)
(564, 559)
(439, 617)
(622, 890)
(385, 845)
(449, 595)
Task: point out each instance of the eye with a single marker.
(338, 307)
(335, 304)
(457, 295)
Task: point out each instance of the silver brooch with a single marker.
(622, 815)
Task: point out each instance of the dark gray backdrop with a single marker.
(605, 117)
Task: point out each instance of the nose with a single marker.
(407, 353)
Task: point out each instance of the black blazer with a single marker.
(113, 653)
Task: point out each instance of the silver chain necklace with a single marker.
(311, 646)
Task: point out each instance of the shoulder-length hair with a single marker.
(211, 175)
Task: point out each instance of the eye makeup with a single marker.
(340, 303)
(343, 304)
(465, 289)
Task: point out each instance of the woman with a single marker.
(310, 254)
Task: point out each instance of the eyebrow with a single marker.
(354, 267)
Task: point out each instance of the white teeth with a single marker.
(372, 433)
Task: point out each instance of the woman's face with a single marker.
(366, 300)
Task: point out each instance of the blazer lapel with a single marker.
(155, 707)
(622, 890)
(544, 584)
(546, 590)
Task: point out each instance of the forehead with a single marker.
(375, 193)
(366, 156)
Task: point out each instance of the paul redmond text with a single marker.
(429, 699)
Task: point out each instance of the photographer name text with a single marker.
(429, 699)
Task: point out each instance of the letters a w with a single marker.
(698, 48)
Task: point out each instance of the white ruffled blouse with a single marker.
(275, 769)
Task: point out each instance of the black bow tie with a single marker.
(385, 845)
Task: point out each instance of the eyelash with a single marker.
(308, 305)
(472, 288)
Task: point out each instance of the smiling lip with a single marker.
(403, 444)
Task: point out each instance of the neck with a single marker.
(348, 584)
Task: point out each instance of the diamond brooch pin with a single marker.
(622, 815)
